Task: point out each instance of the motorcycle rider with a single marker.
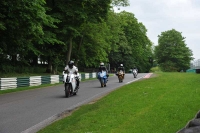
(103, 68)
(72, 68)
(121, 68)
(135, 68)
(135, 71)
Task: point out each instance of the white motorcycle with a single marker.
(70, 83)
(135, 73)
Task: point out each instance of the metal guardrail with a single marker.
(14, 82)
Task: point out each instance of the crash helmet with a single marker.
(101, 64)
(71, 64)
(121, 65)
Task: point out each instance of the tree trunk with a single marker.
(14, 59)
(79, 47)
(49, 67)
(69, 50)
(35, 60)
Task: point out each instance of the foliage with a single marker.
(55, 32)
(132, 47)
(155, 69)
(172, 53)
(73, 14)
(96, 44)
(23, 22)
(120, 2)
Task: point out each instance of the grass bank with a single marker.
(162, 104)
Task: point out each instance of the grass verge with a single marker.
(23, 75)
(26, 88)
(162, 104)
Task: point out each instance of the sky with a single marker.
(163, 15)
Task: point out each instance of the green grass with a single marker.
(28, 74)
(23, 74)
(26, 88)
(162, 104)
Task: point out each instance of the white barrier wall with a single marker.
(11, 83)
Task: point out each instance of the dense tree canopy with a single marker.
(55, 31)
(172, 53)
(133, 46)
(22, 31)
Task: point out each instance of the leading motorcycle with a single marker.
(102, 77)
(70, 83)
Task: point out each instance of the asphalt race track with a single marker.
(29, 111)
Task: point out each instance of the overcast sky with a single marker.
(163, 15)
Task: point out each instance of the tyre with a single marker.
(67, 90)
(102, 82)
(76, 91)
(134, 75)
(120, 78)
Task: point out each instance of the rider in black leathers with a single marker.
(121, 67)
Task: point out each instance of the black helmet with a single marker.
(70, 64)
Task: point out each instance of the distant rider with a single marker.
(121, 68)
(135, 68)
(73, 69)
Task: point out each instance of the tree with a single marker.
(120, 2)
(22, 27)
(172, 53)
(132, 47)
(73, 14)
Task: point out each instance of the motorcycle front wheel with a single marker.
(134, 74)
(120, 79)
(67, 90)
(102, 82)
(76, 91)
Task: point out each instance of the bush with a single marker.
(155, 69)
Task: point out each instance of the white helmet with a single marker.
(121, 64)
(101, 64)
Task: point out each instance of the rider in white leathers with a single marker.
(73, 69)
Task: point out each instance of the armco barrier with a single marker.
(14, 82)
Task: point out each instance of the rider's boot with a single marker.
(77, 87)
